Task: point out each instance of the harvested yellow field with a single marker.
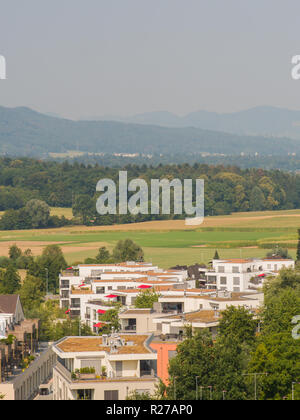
(38, 247)
(61, 211)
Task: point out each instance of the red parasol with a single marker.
(100, 311)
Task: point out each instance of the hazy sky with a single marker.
(82, 58)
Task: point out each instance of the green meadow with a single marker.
(245, 235)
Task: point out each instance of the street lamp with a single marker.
(201, 389)
(293, 389)
(197, 387)
(174, 385)
(47, 279)
(255, 375)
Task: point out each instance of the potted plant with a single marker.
(103, 372)
(87, 373)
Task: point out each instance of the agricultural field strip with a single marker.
(171, 239)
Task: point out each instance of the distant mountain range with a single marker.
(260, 121)
(24, 132)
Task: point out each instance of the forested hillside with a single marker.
(227, 189)
(24, 132)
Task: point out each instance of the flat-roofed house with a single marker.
(104, 368)
(234, 275)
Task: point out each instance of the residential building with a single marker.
(235, 275)
(138, 321)
(24, 384)
(118, 365)
(110, 284)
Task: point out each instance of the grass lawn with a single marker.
(168, 243)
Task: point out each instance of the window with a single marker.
(111, 395)
(119, 369)
(75, 303)
(235, 269)
(221, 269)
(147, 367)
(85, 394)
(100, 290)
(223, 280)
(236, 289)
(131, 326)
(236, 281)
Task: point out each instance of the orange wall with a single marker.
(163, 359)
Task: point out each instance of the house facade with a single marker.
(118, 365)
(235, 275)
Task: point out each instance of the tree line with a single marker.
(28, 186)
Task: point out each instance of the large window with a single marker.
(147, 367)
(85, 394)
(211, 279)
(75, 303)
(119, 369)
(223, 280)
(221, 269)
(131, 326)
(235, 269)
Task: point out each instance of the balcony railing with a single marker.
(130, 328)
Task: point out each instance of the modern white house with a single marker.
(104, 368)
(173, 326)
(234, 275)
(106, 285)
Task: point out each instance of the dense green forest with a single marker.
(227, 189)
